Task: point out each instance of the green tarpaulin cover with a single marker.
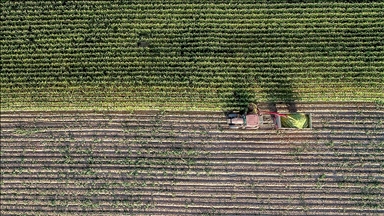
(294, 121)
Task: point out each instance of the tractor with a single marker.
(253, 118)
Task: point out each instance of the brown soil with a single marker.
(181, 163)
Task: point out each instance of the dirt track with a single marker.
(190, 163)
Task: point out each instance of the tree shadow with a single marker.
(276, 85)
(278, 89)
(291, 106)
(239, 98)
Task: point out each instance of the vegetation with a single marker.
(209, 55)
(188, 55)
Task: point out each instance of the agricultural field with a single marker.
(188, 54)
(184, 163)
(117, 107)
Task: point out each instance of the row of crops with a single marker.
(188, 54)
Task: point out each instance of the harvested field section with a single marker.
(181, 163)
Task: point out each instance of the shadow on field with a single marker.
(279, 89)
(240, 96)
(275, 84)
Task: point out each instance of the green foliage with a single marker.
(188, 55)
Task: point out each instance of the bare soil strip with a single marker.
(184, 163)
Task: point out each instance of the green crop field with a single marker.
(188, 55)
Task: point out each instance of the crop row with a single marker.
(178, 73)
(219, 28)
(219, 5)
(263, 42)
(205, 53)
(124, 30)
(54, 94)
(146, 63)
(181, 87)
(229, 19)
(177, 80)
(110, 94)
(210, 73)
(176, 93)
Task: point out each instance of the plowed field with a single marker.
(180, 163)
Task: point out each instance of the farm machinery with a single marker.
(253, 118)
